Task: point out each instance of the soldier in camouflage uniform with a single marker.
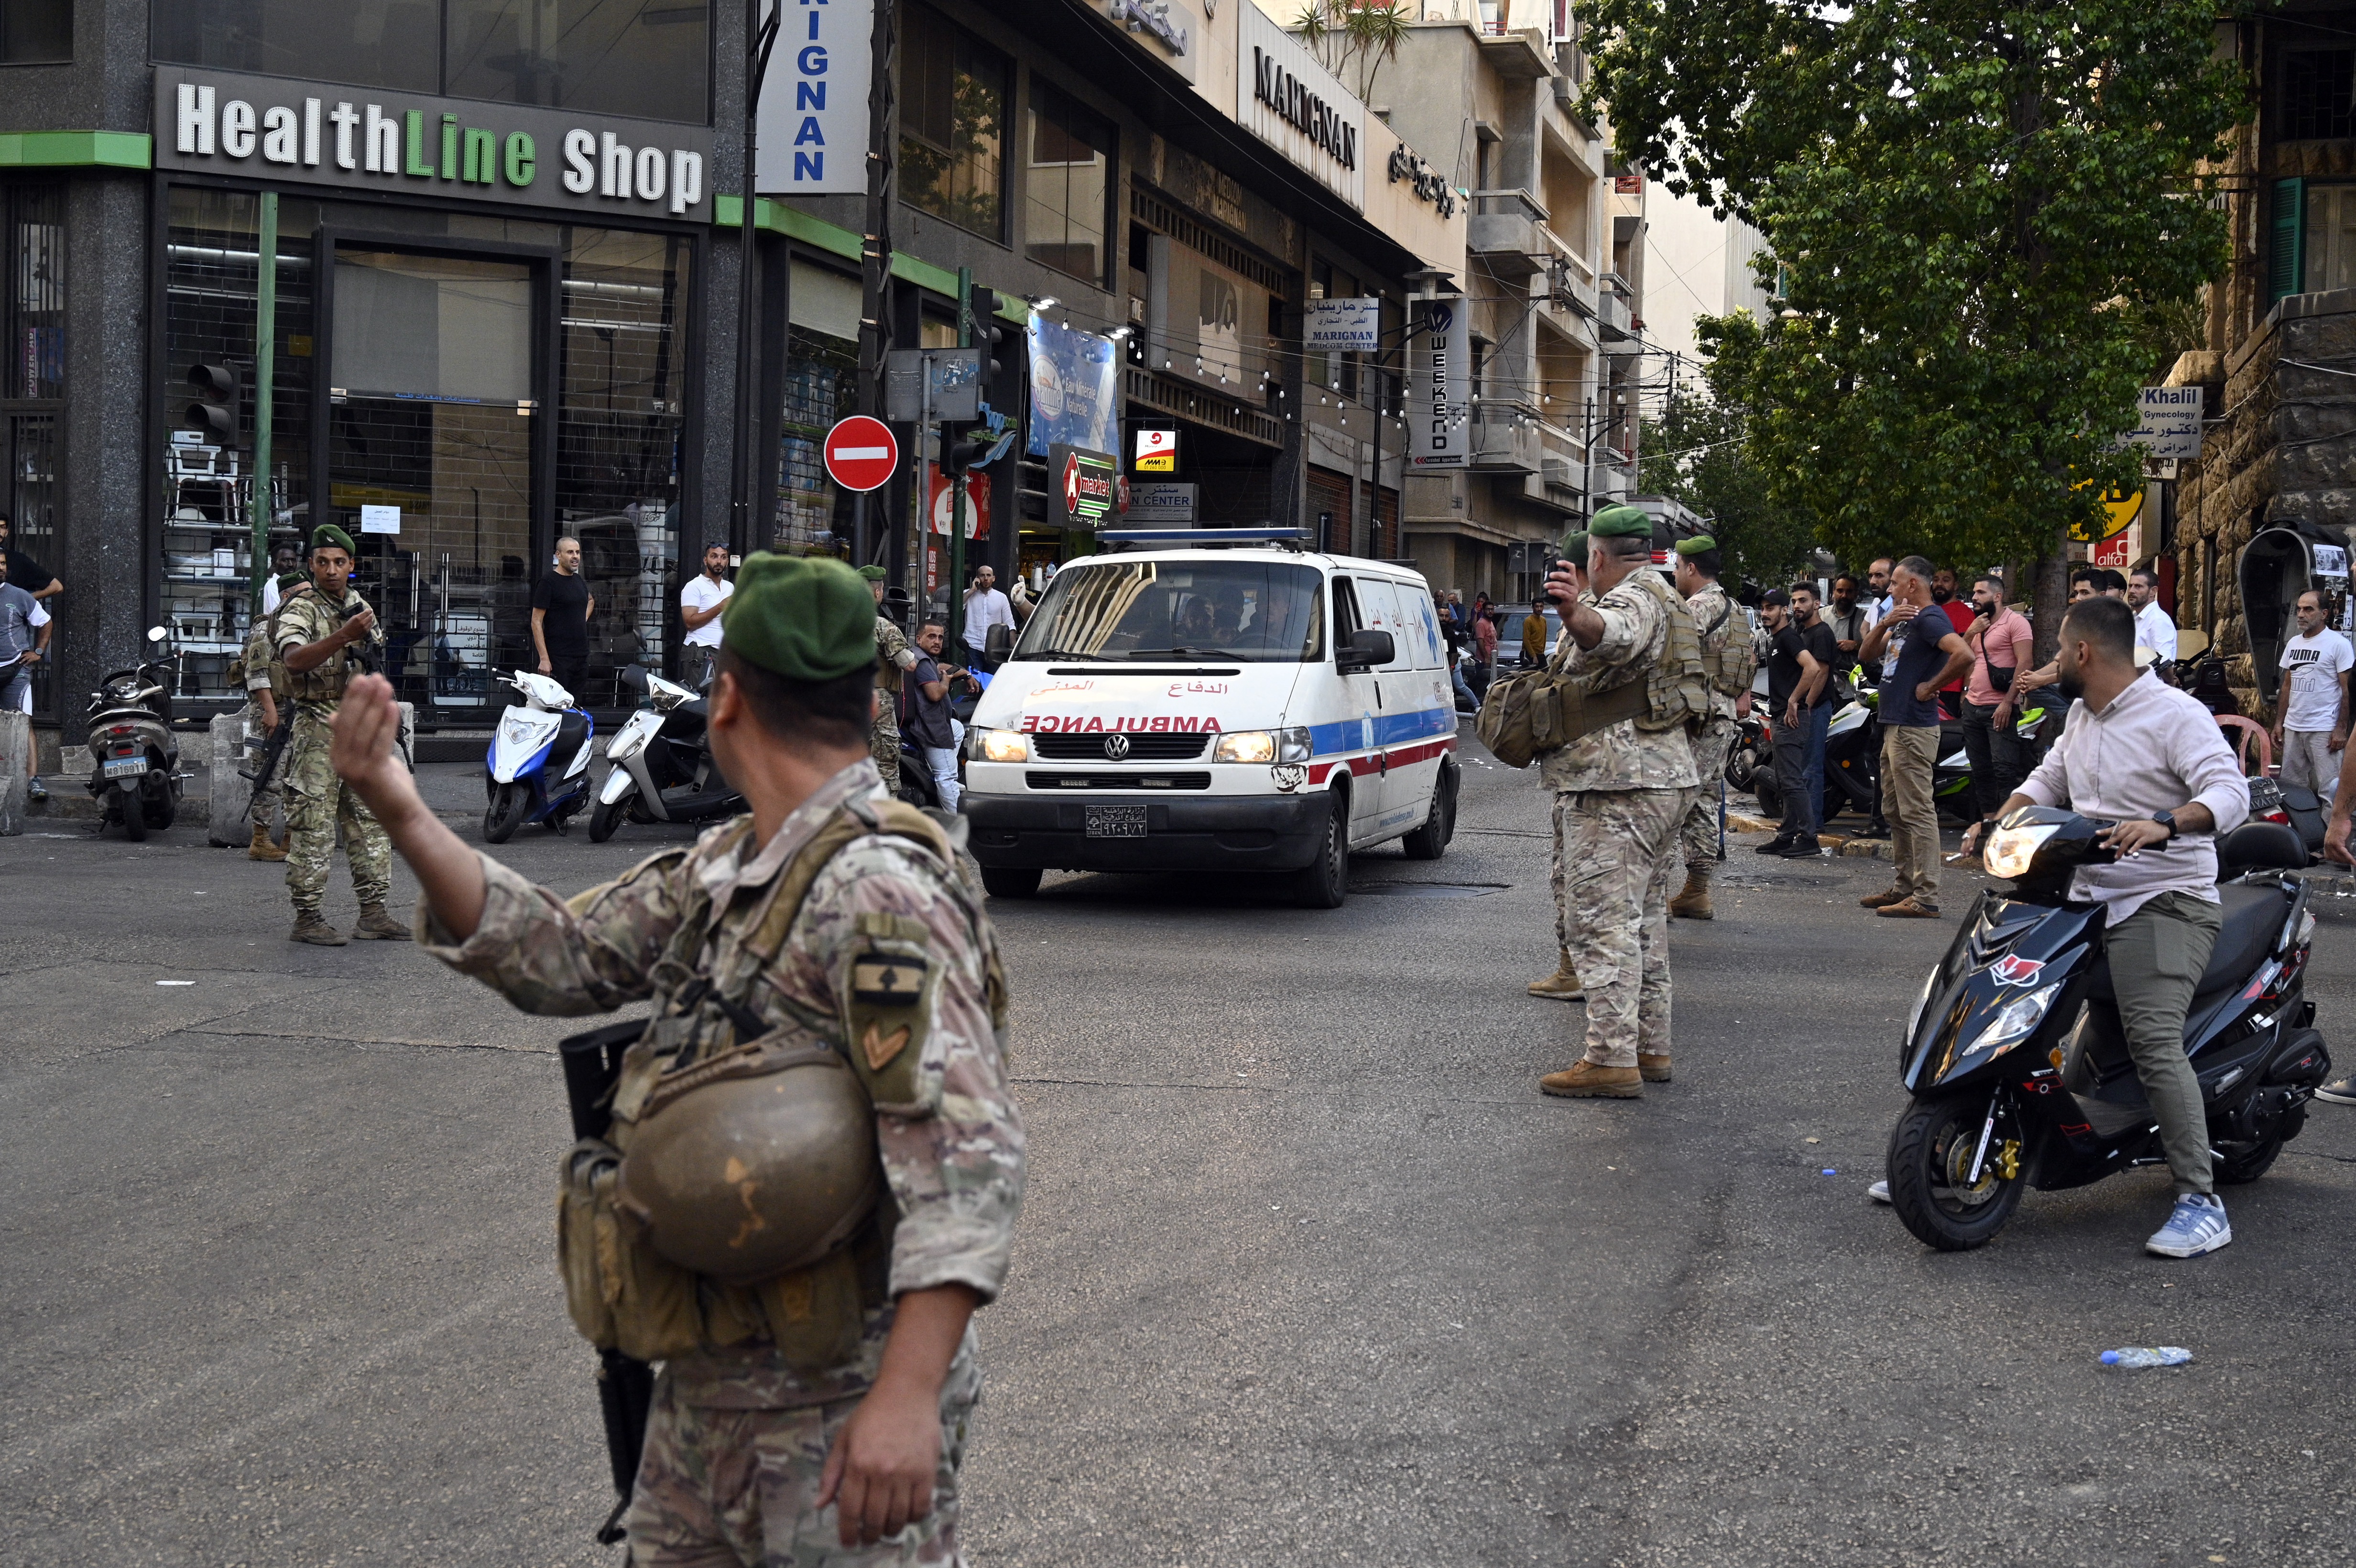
(1618, 796)
(1563, 985)
(753, 1455)
(314, 634)
(1724, 653)
(257, 667)
(894, 660)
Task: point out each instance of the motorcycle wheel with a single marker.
(1741, 767)
(1931, 1151)
(2239, 1163)
(604, 819)
(134, 819)
(506, 813)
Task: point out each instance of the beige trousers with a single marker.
(1909, 754)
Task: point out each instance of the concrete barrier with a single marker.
(228, 791)
(16, 747)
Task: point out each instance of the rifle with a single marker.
(625, 1385)
(272, 750)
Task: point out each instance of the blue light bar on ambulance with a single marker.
(1204, 538)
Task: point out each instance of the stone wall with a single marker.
(2283, 452)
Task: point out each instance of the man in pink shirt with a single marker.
(2000, 640)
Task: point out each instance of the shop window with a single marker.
(369, 43)
(952, 123)
(34, 311)
(1068, 185)
(36, 32)
(2319, 94)
(821, 386)
(649, 58)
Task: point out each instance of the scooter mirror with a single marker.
(156, 633)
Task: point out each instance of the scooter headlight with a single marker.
(998, 745)
(2015, 1021)
(2010, 850)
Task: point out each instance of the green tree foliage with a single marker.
(1980, 206)
(1697, 452)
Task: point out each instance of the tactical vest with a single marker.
(323, 682)
(1735, 661)
(887, 674)
(259, 655)
(624, 1294)
(1522, 718)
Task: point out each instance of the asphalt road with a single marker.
(1309, 1272)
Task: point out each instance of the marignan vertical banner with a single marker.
(1440, 385)
(813, 119)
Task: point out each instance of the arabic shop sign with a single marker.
(1426, 181)
(1081, 483)
(1170, 25)
(2169, 423)
(1288, 100)
(1351, 326)
(282, 131)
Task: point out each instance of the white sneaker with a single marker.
(2198, 1225)
(1878, 1191)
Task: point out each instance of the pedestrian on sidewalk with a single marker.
(985, 607)
(1728, 663)
(1874, 672)
(560, 607)
(699, 603)
(2000, 641)
(1933, 655)
(1799, 665)
(24, 644)
(1947, 594)
(2312, 712)
(1848, 617)
(2155, 627)
(925, 715)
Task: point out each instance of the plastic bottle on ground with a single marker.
(2148, 1356)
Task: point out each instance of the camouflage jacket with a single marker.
(1717, 619)
(1620, 756)
(892, 655)
(304, 617)
(953, 1164)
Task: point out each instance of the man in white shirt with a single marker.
(2150, 759)
(2155, 627)
(699, 603)
(985, 607)
(2311, 710)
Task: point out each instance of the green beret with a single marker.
(1573, 547)
(803, 617)
(326, 536)
(1696, 545)
(1621, 523)
(873, 574)
(288, 579)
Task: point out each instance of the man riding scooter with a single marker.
(2151, 759)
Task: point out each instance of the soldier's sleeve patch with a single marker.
(888, 1007)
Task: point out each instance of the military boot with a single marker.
(262, 847)
(376, 926)
(310, 928)
(1563, 985)
(1693, 903)
(1652, 1066)
(1585, 1080)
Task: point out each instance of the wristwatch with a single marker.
(2166, 819)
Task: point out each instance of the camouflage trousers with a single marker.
(1699, 833)
(1616, 849)
(317, 804)
(738, 1488)
(883, 739)
(265, 799)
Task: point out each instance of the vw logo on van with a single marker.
(1116, 746)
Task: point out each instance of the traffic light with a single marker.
(215, 412)
(987, 332)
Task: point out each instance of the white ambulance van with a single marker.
(1228, 703)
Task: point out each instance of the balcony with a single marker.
(1506, 437)
(1616, 320)
(1506, 231)
(1561, 463)
(1611, 475)
(1571, 279)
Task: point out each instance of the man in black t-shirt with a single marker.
(24, 572)
(560, 607)
(1801, 654)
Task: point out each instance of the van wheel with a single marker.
(1324, 883)
(1010, 881)
(1430, 841)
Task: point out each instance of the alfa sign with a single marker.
(1082, 483)
(361, 139)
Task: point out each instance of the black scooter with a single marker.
(663, 770)
(135, 756)
(2014, 1055)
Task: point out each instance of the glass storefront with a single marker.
(415, 416)
(33, 384)
(814, 514)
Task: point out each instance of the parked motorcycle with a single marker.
(663, 770)
(2014, 1058)
(1752, 757)
(538, 766)
(134, 757)
(2294, 806)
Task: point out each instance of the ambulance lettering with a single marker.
(1094, 724)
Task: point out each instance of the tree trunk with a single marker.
(2052, 596)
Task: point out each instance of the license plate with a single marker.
(126, 767)
(1116, 822)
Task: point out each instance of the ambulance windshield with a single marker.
(1264, 612)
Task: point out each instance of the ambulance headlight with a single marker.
(998, 745)
(1289, 745)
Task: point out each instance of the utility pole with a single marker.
(266, 365)
(759, 38)
(957, 478)
(875, 253)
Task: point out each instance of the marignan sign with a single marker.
(361, 139)
(812, 132)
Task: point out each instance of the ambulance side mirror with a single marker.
(1365, 650)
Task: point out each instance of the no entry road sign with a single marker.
(861, 453)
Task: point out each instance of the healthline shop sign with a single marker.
(271, 128)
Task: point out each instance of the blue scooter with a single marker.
(538, 766)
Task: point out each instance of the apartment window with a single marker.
(2313, 242)
(2319, 94)
(645, 57)
(36, 32)
(1068, 184)
(952, 123)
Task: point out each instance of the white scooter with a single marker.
(538, 766)
(662, 770)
